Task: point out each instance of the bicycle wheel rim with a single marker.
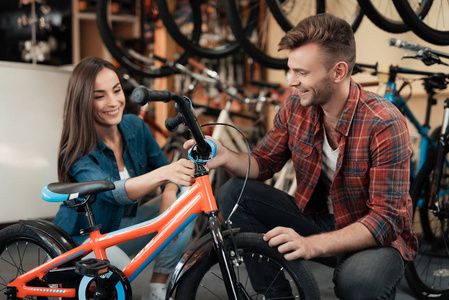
(120, 55)
(21, 255)
(300, 283)
(249, 24)
(288, 12)
(434, 26)
(181, 31)
(384, 15)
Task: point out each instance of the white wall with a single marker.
(31, 104)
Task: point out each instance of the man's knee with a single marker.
(369, 274)
(363, 286)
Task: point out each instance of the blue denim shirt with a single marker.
(141, 154)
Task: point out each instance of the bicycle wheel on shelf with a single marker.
(434, 26)
(119, 48)
(289, 12)
(428, 274)
(180, 17)
(384, 15)
(21, 250)
(292, 280)
(250, 20)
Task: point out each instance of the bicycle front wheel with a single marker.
(428, 274)
(434, 26)
(21, 250)
(276, 277)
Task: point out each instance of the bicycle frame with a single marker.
(199, 198)
(435, 193)
(393, 95)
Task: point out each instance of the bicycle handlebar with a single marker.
(141, 95)
(425, 54)
(407, 45)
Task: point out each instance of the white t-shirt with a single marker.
(330, 157)
(124, 174)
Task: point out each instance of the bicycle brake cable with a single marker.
(228, 221)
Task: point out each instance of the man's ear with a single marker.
(341, 70)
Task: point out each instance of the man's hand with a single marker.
(289, 242)
(220, 158)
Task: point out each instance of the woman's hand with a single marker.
(181, 172)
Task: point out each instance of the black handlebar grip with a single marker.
(141, 95)
(172, 123)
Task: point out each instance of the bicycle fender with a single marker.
(202, 248)
(50, 233)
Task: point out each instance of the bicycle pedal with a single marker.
(92, 267)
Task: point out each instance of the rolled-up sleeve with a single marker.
(85, 169)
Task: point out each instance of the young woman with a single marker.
(98, 142)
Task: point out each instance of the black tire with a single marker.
(253, 36)
(203, 280)
(384, 15)
(433, 27)
(286, 17)
(426, 275)
(195, 16)
(121, 53)
(21, 250)
(248, 21)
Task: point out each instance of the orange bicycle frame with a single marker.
(199, 198)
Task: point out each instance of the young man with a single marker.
(351, 153)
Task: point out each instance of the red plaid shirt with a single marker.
(371, 181)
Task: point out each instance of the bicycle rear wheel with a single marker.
(21, 250)
(292, 280)
(121, 51)
(216, 39)
(434, 26)
(428, 274)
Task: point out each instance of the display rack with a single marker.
(86, 39)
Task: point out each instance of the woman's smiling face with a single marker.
(108, 99)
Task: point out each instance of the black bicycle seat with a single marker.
(63, 191)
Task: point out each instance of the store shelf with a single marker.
(86, 39)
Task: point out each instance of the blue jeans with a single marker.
(167, 259)
(371, 273)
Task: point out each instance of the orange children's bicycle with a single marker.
(38, 260)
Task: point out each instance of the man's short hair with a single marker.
(334, 35)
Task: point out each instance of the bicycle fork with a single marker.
(233, 288)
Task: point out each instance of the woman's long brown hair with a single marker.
(79, 135)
